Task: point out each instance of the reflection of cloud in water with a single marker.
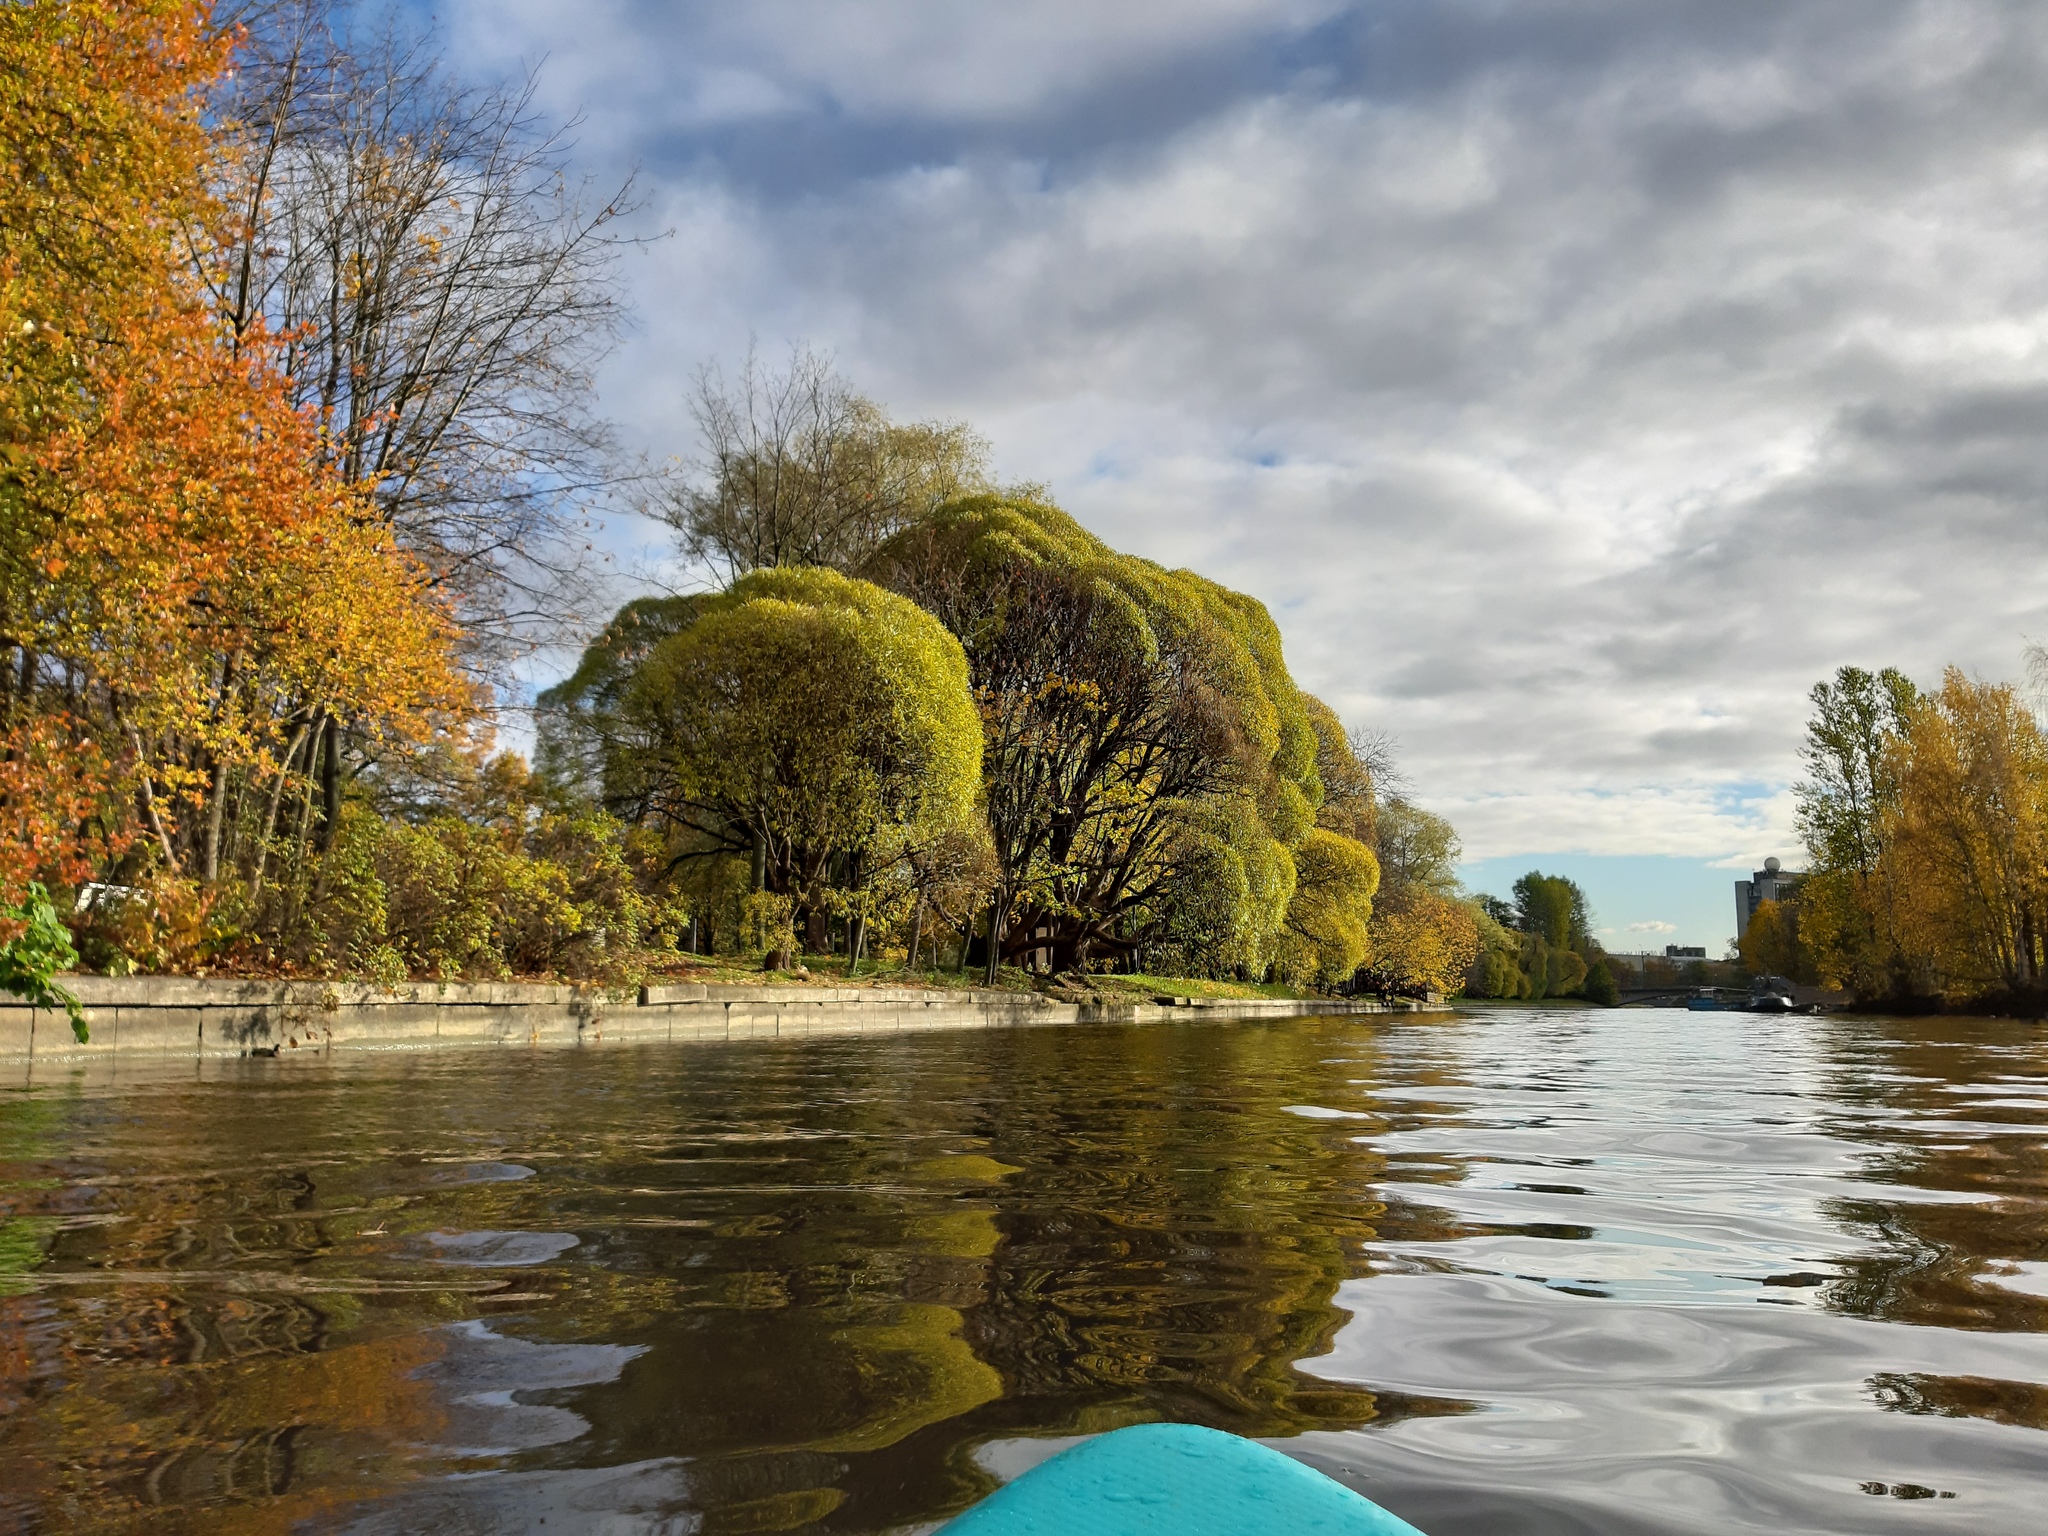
(481, 1371)
(484, 1173)
(480, 1377)
(1008, 1460)
(499, 1249)
(643, 1498)
(1739, 1406)
(2022, 1275)
(1317, 1112)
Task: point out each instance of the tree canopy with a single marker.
(1925, 817)
(804, 720)
(1150, 765)
(800, 468)
(187, 590)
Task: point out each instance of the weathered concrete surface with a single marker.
(167, 1017)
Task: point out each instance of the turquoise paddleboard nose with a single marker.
(1174, 1480)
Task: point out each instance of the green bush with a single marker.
(1599, 985)
(32, 958)
(449, 898)
(767, 925)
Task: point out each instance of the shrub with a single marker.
(1599, 985)
(449, 898)
(768, 927)
(32, 958)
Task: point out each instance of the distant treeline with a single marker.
(1540, 944)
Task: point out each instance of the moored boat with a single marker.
(1772, 994)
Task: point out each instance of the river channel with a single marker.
(1521, 1271)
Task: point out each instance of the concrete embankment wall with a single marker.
(165, 1017)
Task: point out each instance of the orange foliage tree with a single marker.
(185, 592)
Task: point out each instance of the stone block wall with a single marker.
(166, 1017)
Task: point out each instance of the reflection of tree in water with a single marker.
(2023, 1404)
(1934, 1262)
(1170, 1244)
(166, 1407)
(913, 1250)
(845, 1264)
(1178, 1242)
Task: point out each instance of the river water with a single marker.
(1526, 1271)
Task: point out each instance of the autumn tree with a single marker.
(1851, 907)
(1969, 836)
(1423, 937)
(443, 289)
(1771, 943)
(1424, 943)
(187, 592)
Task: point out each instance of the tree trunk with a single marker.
(216, 810)
(217, 802)
(284, 773)
(148, 794)
(996, 911)
(330, 785)
(916, 932)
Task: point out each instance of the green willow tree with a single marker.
(1326, 936)
(1149, 764)
(806, 726)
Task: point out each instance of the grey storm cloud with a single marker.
(1576, 380)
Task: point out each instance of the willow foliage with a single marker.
(1325, 938)
(1327, 933)
(1150, 763)
(802, 717)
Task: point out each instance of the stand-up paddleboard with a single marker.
(1174, 1480)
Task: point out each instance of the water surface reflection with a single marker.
(1529, 1271)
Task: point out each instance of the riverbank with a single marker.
(167, 1017)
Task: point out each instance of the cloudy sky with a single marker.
(1576, 380)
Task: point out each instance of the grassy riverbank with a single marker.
(833, 971)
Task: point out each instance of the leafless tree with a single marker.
(445, 293)
(799, 468)
(1377, 753)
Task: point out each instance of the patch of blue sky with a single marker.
(1639, 901)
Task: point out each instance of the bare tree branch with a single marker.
(445, 294)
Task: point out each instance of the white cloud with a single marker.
(1652, 927)
(1577, 384)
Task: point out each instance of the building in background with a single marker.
(1773, 882)
(1685, 952)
